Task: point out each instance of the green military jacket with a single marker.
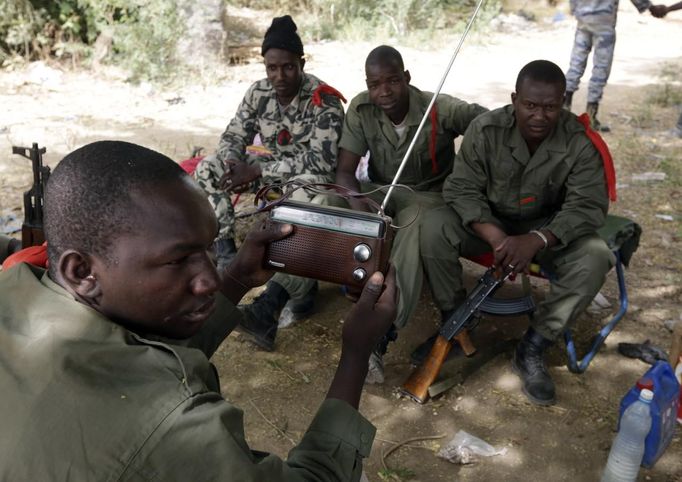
(85, 399)
(496, 180)
(302, 140)
(367, 127)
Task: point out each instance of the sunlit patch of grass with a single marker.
(669, 92)
(397, 474)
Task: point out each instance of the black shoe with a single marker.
(259, 319)
(225, 251)
(592, 109)
(299, 309)
(375, 369)
(568, 100)
(529, 365)
(261, 333)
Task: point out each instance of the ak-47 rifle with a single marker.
(34, 199)
(417, 386)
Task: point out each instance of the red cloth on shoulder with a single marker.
(190, 165)
(326, 89)
(35, 255)
(600, 145)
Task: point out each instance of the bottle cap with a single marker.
(646, 395)
(647, 383)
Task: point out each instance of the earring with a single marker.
(90, 277)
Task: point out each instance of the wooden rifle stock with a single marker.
(417, 386)
(465, 342)
(455, 328)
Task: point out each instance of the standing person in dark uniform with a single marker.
(596, 31)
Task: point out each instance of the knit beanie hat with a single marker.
(282, 35)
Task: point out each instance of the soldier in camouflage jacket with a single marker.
(298, 119)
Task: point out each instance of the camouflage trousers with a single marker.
(600, 36)
(577, 271)
(208, 174)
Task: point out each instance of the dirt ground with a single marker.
(280, 391)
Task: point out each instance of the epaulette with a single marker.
(326, 89)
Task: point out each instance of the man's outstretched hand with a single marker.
(248, 270)
(658, 11)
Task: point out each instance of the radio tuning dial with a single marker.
(362, 252)
(359, 274)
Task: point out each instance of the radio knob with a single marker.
(362, 252)
(359, 274)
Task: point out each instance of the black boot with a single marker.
(420, 353)
(528, 363)
(225, 251)
(568, 99)
(298, 309)
(259, 319)
(592, 109)
(375, 368)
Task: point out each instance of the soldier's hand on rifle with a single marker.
(248, 269)
(514, 253)
(238, 176)
(372, 315)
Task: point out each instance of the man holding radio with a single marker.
(383, 121)
(528, 184)
(298, 119)
(104, 366)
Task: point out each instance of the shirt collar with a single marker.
(555, 142)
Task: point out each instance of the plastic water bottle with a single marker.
(628, 447)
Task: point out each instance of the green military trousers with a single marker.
(577, 271)
(407, 209)
(208, 174)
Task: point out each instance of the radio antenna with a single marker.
(428, 109)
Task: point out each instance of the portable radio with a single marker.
(329, 243)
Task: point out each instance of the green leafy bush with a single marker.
(143, 33)
(359, 19)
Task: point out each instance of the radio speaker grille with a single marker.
(324, 255)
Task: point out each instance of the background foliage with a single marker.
(142, 35)
(138, 34)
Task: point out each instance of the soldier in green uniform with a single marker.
(104, 361)
(527, 184)
(383, 121)
(298, 119)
